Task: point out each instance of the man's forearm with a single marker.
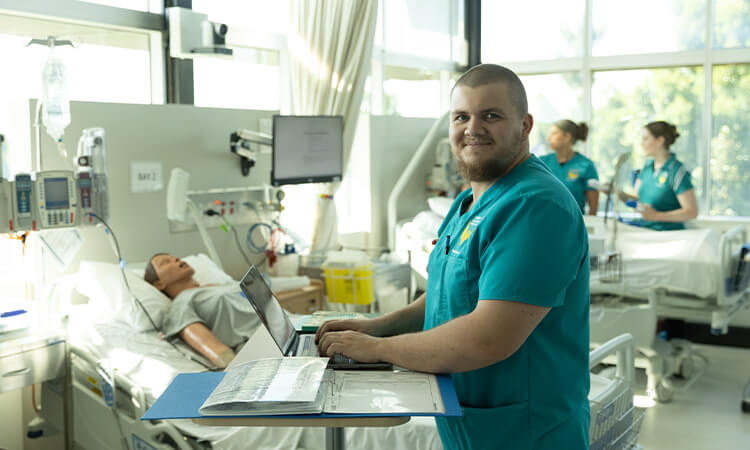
(445, 349)
(409, 319)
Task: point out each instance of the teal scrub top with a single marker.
(661, 188)
(574, 174)
(525, 241)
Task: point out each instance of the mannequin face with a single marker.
(170, 269)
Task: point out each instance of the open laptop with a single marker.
(276, 320)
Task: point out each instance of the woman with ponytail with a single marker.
(571, 167)
(664, 191)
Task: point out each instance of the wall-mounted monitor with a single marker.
(307, 149)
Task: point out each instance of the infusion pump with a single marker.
(59, 198)
(48, 199)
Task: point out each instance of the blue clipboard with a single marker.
(184, 396)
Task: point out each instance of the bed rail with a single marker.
(128, 402)
(624, 348)
(438, 129)
(726, 297)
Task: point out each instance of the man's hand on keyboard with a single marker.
(366, 326)
(353, 344)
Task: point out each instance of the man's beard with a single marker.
(490, 169)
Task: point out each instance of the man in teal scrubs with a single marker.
(506, 311)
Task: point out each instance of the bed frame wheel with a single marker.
(686, 368)
(662, 393)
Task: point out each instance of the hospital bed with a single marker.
(118, 374)
(119, 367)
(639, 275)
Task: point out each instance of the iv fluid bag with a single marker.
(55, 103)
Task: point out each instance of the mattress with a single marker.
(684, 262)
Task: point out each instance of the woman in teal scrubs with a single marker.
(571, 167)
(663, 187)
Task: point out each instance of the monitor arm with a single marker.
(240, 144)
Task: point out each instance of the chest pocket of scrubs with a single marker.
(456, 286)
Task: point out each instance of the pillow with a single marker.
(206, 271)
(440, 205)
(102, 284)
(109, 298)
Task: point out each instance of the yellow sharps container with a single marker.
(349, 278)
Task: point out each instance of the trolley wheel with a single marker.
(686, 368)
(662, 393)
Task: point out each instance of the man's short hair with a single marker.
(483, 74)
(150, 273)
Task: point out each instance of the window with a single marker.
(531, 30)
(414, 27)
(107, 65)
(412, 92)
(114, 69)
(730, 157)
(250, 80)
(647, 26)
(731, 26)
(257, 15)
(552, 98)
(625, 101)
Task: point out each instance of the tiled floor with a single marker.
(707, 416)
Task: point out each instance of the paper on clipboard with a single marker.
(368, 392)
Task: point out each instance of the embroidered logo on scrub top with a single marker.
(573, 174)
(470, 227)
(662, 179)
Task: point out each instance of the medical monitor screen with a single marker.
(307, 149)
(56, 193)
(268, 308)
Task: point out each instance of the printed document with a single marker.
(269, 386)
(303, 385)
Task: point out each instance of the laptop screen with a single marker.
(268, 308)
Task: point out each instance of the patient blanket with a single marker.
(222, 309)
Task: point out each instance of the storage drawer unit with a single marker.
(31, 362)
(302, 301)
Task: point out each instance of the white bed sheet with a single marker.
(685, 262)
(152, 363)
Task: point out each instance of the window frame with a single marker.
(588, 64)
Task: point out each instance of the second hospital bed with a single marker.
(639, 276)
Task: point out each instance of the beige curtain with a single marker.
(330, 49)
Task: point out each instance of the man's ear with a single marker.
(528, 124)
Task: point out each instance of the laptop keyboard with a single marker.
(308, 346)
(339, 358)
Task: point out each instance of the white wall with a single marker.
(192, 138)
